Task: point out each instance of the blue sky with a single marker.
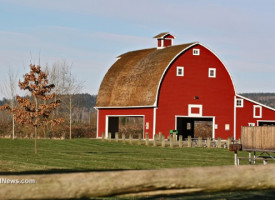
(90, 34)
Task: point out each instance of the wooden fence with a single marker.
(258, 138)
(172, 141)
(139, 183)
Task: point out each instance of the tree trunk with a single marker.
(70, 117)
(45, 125)
(13, 124)
(35, 127)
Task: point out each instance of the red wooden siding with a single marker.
(245, 115)
(216, 95)
(167, 43)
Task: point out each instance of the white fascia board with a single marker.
(265, 106)
(112, 107)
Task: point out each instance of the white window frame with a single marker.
(209, 72)
(182, 69)
(254, 111)
(239, 106)
(196, 52)
(251, 124)
(190, 106)
(227, 127)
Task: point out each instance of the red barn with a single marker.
(172, 87)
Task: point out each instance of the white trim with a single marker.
(270, 108)
(235, 118)
(209, 72)
(241, 100)
(196, 52)
(182, 70)
(111, 107)
(190, 106)
(154, 122)
(213, 122)
(254, 111)
(213, 127)
(264, 121)
(107, 122)
(181, 52)
(97, 117)
(106, 126)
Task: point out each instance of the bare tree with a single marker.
(8, 89)
(67, 85)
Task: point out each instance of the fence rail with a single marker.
(138, 183)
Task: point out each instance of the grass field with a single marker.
(17, 156)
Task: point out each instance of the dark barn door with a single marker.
(185, 127)
(193, 126)
(113, 126)
(266, 123)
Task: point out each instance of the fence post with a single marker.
(228, 142)
(208, 142)
(147, 139)
(160, 136)
(123, 137)
(103, 136)
(171, 141)
(155, 141)
(139, 139)
(174, 137)
(200, 142)
(239, 141)
(180, 141)
(116, 136)
(163, 141)
(219, 145)
(130, 138)
(189, 141)
(109, 137)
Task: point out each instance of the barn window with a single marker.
(189, 126)
(180, 71)
(257, 111)
(196, 52)
(195, 110)
(251, 124)
(227, 127)
(147, 125)
(239, 103)
(212, 72)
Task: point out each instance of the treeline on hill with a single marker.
(83, 119)
(264, 98)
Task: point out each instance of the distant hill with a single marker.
(264, 98)
(79, 100)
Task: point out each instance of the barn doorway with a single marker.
(195, 127)
(125, 124)
(266, 123)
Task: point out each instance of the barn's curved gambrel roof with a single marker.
(134, 79)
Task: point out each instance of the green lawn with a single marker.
(91, 154)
